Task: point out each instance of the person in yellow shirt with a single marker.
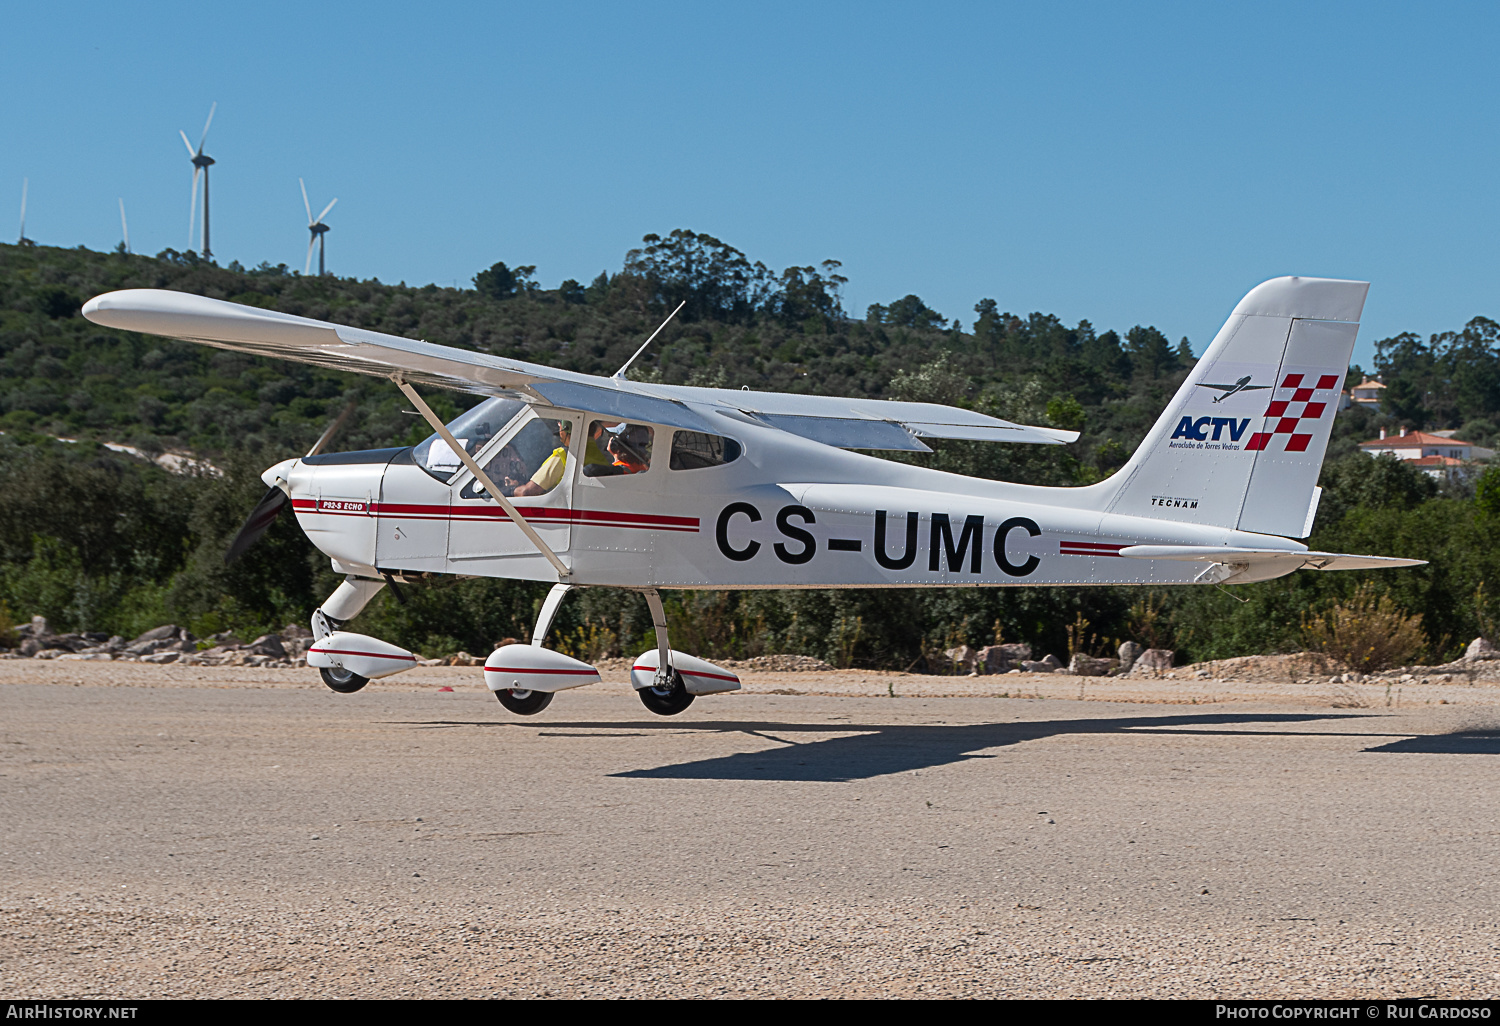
(550, 473)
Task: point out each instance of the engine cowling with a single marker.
(359, 653)
(699, 676)
(531, 668)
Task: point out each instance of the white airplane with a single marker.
(587, 481)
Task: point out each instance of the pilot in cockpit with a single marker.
(550, 472)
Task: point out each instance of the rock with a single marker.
(67, 642)
(295, 630)
(297, 646)
(267, 645)
(1480, 649)
(1037, 666)
(37, 628)
(163, 633)
(168, 656)
(51, 653)
(100, 657)
(1155, 660)
(29, 647)
(1090, 666)
(1052, 661)
(1002, 658)
(463, 659)
(963, 658)
(1129, 652)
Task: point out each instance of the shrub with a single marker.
(1369, 632)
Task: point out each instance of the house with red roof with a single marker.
(1437, 454)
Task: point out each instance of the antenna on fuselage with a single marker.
(621, 372)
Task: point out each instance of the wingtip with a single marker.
(94, 306)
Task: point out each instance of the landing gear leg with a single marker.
(549, 613)
(667, 695)
(346, 602)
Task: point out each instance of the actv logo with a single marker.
(1198, 430)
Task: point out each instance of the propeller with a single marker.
(269, 507)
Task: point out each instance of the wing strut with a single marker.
(481, 476)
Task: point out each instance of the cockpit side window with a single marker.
(693, 450)
(472, 429)
(531, 463)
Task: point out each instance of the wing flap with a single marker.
(998, 432)
(627, 405)
(846, 432)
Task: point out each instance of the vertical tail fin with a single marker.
(1241, 443)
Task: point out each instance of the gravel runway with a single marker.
(223, 832)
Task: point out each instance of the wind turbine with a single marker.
(24, 183)
(318, 229)
(124, 228)
(201, 163)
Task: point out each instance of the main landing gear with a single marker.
(523, 702)
(668, 697)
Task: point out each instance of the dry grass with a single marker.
(1367, 633)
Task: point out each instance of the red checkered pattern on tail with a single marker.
(1291, 411)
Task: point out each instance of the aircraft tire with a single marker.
(345, 682)
(524, 703)
(667, 703)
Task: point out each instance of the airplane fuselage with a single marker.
(848, 520)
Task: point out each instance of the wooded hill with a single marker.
(100, 541)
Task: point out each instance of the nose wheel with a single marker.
(523, 702)
(667, 701)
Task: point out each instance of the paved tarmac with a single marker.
(245, 841)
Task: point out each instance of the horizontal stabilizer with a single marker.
(1303, 558)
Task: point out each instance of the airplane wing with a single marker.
(1252, 557)
(843, 423)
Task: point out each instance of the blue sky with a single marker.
(1127, 163)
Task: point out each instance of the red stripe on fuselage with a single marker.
(1071, 548)
(534, 514)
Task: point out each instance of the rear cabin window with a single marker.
(693, 450)
(617, 447)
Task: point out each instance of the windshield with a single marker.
(472, 430)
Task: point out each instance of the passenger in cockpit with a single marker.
(628, 447)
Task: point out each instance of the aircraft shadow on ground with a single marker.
(1463, 742)
(873, 750)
